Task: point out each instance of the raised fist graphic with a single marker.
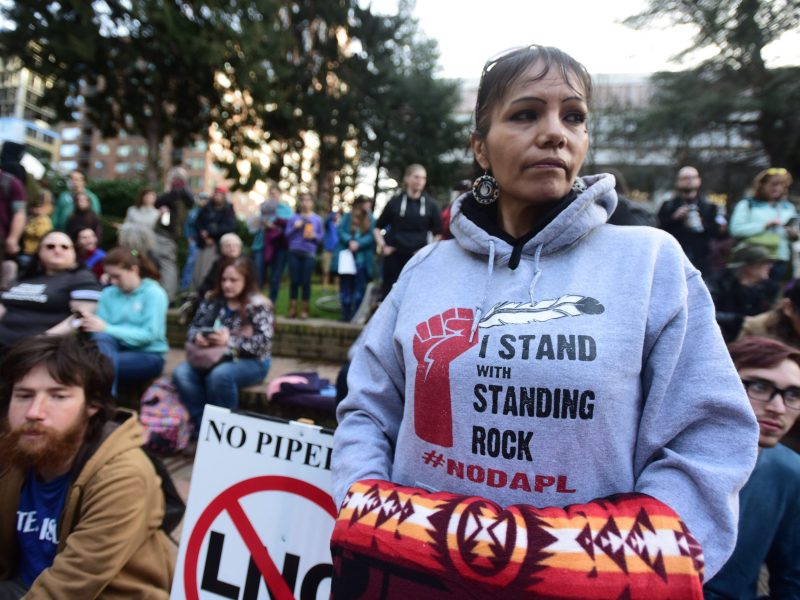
(439, 341)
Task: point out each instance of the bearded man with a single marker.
(80, 503)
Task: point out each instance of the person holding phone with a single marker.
(236, 316)
(768, 218)
(131, 320)
(304, 232)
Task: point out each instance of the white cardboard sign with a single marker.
(259, 514)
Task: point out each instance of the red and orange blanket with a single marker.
(392, 541)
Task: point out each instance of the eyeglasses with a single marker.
(777, 171)
(764, 391)
(54, 246)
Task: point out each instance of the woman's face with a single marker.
(56, 252)
(775, 187)
(232, 283)
(149, 199)
(537, 138)
(125, 279)
(230, 248)
(306, 203)
(82, 202)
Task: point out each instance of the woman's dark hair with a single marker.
(244, 266)
(142, 193)
(761, 353)
(70, 360)
(499, 74)
(359, 217)
(127, 258)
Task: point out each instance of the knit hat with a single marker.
(749, 255)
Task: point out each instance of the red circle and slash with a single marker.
(228, 501)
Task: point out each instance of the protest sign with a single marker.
(259, 515)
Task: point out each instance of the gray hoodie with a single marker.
(592, 367)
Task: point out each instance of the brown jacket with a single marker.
(110, 541)
(773, 325)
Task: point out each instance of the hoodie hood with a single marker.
(589, 210)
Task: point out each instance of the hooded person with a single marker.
(541, 358)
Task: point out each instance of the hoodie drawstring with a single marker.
(537, 272)
(479, 308)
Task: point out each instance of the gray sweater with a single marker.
(595, 367)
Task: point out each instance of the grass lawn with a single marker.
(282, 305)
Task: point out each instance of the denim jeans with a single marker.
(276, 268)
(130, 366)
(301, 267)
(351, 292)
(219, 386)
(186, 273)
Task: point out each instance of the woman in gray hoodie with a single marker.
(542, 356)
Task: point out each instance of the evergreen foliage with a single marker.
(733, 94)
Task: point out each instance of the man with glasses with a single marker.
(769, 503)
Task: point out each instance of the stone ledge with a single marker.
(312, 339)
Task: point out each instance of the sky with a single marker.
(471, 31)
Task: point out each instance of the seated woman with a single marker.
(236, 316)
(131, 320)
(45, 298)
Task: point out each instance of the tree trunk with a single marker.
(153, 168)
(376, 185)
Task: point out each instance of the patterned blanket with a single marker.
(400, 542)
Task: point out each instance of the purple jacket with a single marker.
(306, 238)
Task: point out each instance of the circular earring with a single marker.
(485, 189)
(579, 186)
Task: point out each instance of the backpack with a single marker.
(174, 506)
(164, 418)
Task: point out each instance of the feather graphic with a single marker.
(520, 313)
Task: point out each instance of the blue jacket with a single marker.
(365, 255)
(769, 531)
(137, 320)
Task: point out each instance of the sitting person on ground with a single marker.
(83, 217)
(46, 299)
(131, 320)
(744, 290)
(238, 318)
(89, 253)
(81, 506)
(782, 323)
(769, 503)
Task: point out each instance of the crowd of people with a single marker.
(600, 348)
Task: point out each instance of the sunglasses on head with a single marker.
(777, 171)
(54, 246)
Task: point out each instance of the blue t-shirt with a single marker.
(40, 506)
